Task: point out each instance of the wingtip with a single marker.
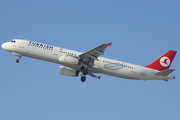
(110, 43)
(99, 77)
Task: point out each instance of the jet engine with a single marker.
(68, 71)
(69, 60)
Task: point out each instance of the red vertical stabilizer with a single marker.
(164, 62)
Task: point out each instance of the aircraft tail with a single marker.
(164, 62)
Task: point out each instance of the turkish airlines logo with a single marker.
(165, 61)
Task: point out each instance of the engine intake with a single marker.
(68, 71)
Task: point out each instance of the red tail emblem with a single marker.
(165, 61)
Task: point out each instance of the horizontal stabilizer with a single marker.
(165, 72)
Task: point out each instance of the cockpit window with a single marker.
(13, 41)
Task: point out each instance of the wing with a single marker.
(90, 56)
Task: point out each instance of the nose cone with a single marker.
(3, 45)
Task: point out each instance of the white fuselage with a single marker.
(104, 65)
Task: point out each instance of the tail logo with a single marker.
(165, 61)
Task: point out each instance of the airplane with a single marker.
(76, 63)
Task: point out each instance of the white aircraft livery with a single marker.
(87, 63)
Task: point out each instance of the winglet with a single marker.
(99, 77)
(110, 43)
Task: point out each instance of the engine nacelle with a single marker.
(68, 71)
(68, 60)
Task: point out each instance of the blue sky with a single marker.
(141, 31)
